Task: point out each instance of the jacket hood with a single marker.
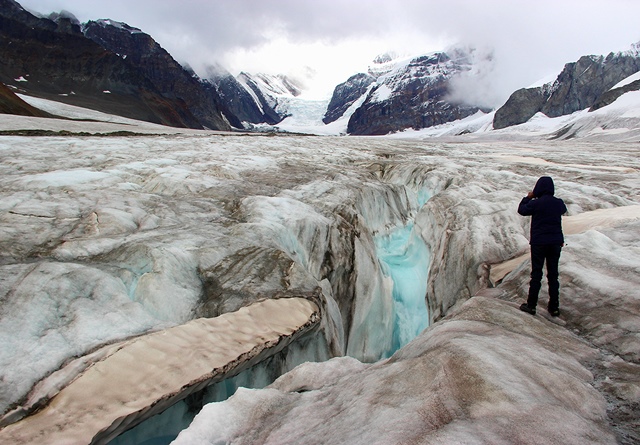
(544, 186)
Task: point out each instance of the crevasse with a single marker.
(405, 258)
(392, 256)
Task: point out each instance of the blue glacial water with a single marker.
(405, 258)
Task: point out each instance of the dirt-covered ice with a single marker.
(106, 239)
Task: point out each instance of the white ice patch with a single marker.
(632, 78)
(381, 93)
(62, 178)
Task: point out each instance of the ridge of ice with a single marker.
(150, 376)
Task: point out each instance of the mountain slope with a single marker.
(12, 104)
(60, 63)
(167, 75)
(579, 86)
(414, 95)
(346, 94)
(246, 104)
(272, 92)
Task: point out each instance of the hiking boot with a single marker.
(553, 312)
(524, 307)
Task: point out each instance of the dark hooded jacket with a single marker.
(546, 213)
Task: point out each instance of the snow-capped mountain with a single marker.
(166, 74)
(346, 94)
(116, 68)
(274, 91)
(248, 106)
(411, 93)
(113, 67)
(255, 98)
(398, 95)
(581, 85)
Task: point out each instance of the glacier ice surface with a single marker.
(146, 218)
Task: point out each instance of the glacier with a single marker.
(111, 240)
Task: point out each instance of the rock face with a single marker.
(610, 96)
(247, 104)
(580, 85)
(271, 92)
(60, 63)
(415, 95)
(520, 107)
(345, 94)
(167, 75)
(12, 104)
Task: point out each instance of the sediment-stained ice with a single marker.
(146, 375)
(106, 239)
(487, 374)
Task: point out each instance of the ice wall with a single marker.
(163, 428)
(392, 264)
(343, 248)
(405, 258)
(146, 375)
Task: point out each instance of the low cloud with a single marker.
(529, 40)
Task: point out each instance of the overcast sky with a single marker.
(337, 38)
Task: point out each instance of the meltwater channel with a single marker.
(403, 256)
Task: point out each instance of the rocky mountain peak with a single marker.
(275, 84)
(12, 10)
(106, 23)
(413, 94)
(384, 58)
(105, 65)
(123, 39)
(62, 16)
(244, 98)
(346, 94)
(579, 86)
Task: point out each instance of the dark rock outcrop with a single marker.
(12, 104)
(346, 94)
(610, 96)
(580, 85)
(61, 64)
(413, 96)
(246, 107)
(167, 75)
(520, 107)
(271, 92)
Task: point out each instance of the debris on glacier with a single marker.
(105, 240)
(487, 374)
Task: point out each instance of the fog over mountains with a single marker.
(116, 68)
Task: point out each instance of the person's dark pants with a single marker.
(541, 253)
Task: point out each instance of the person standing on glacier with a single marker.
(546, 242)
